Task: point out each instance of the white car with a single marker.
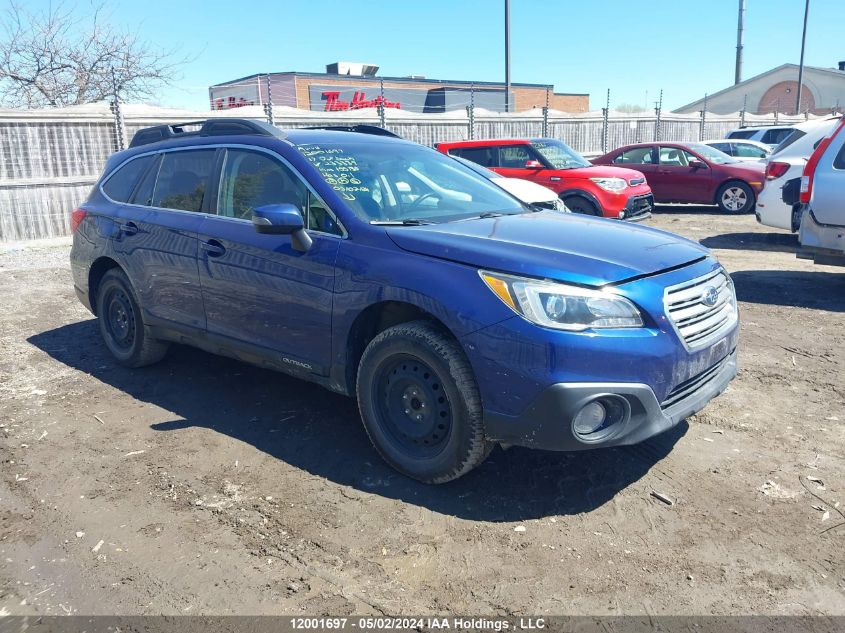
(822, 234)
(786, 164)
(771, 135)
(741, 149)
(525, 190)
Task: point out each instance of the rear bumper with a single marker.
(547, 423)
(822, 243)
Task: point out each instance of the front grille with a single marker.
(690, 386)
(702, 309)
(639, 205)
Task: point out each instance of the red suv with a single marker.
(693, 173)
(612, 192)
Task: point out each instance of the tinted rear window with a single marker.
(839, 161)
(773, 137)
(742, 134)
(789, 140)
(183, 179)
(484, 156)
(121, 183)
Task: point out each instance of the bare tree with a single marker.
(55, 58)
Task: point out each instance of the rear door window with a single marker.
(636, 156)
(183, 179)
(744, 150)
(484, 156)
(122, 182)
(728, 148)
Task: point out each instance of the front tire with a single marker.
(420, 403)
(735, 197)
(121, 324)
(577, 204)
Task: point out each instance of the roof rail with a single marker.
(207, 127)
(360, 129)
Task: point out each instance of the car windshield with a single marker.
(558, 154)
(712, 154)
(406, 183)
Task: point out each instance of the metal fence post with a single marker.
(658, 107)
(268, 107)
(605, 114)
(546, 115)
(742, 112)
(381, 103)
(119, 127)
(777, 108)
(471, 112)
(703, 119)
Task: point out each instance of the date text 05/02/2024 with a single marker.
(409, 623)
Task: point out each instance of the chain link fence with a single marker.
(49, 159)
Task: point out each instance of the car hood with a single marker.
(602, 171)
(565, 247)
(526, 190)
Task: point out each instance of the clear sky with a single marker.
(634, 48)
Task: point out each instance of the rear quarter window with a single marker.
(122, 182)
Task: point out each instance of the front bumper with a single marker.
(638, 208)
(547, 423)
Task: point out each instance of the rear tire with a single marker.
(121, 324)
(420, 403)
(735, 197)
(577, 204)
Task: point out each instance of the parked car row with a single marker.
(456, 314)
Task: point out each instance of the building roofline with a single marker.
(699, 102)
(398, 79)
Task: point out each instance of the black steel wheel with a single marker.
(121, 323)
(412, 407)
(420, 403)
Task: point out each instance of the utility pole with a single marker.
(740, 32)
(801, 64)
(507, 55)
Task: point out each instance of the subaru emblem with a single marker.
(710, 296)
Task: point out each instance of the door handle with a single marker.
(554, 178)
(128, 228)
(213, 248)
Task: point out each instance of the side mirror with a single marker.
(282, 219)
(697, 164)
(533, 164)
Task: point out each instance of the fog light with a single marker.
(590, 418)
(600, 418)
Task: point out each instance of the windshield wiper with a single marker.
(405, 222)
(491, 214)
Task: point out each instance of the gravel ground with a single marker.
(205, 486)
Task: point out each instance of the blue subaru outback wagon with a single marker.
(458, 316)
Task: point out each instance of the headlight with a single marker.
(611, 184)
(561, 306)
